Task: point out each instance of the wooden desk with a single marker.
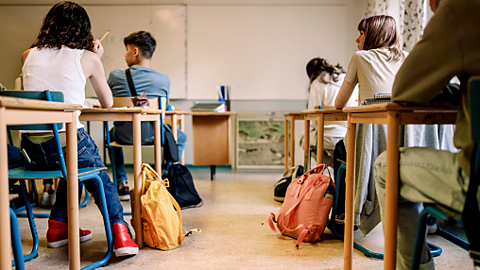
(177, 117)
(393, 115)
(324, 116)
(135, 115)
(211, 137)
(18, 111)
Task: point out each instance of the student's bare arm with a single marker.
(93, 69)
(344, 94)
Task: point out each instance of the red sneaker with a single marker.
(57, 234)
(123, 244)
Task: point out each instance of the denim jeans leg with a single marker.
(181, 141)
(119, 165)
(88, 155)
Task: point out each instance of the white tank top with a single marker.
(56, 70)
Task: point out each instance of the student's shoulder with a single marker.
(366, 54)
(117, 73)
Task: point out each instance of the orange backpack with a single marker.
(161, 214)
(304, 213)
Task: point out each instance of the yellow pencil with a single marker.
(104, 35)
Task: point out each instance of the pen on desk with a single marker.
(104, 35)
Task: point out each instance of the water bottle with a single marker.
(330, 193)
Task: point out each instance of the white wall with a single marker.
(344, 35)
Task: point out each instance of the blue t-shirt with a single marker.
(146, 80)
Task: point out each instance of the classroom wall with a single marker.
(340, 44)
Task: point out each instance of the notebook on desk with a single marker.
(377, 99)
(208, 107)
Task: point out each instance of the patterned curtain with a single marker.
(412, 13)
(414, 16)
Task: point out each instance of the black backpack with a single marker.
(281, 186)
(182, 187)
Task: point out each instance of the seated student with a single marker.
(62, 57)
(373, 68)
(325, 82)
(139, 47)
(429, 175)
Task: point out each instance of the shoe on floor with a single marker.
(431, 229)
(123, 193)
(57, 234)
(123, 244)
(48, 200)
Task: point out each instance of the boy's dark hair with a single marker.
(144, 41)
(67, 23)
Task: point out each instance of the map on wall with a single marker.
(260, 143)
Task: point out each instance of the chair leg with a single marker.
(106, 221)
(16, 242)
(31, 221)
(85, 200)
(420, 239)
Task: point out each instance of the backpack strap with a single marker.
(131, 86)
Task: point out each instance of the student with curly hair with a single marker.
(325, 82)
(62, 57)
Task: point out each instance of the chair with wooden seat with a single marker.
(120, 102)
(84, 174)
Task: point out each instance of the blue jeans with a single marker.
(44, 157)
(118, 152)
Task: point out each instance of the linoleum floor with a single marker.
(232, 237)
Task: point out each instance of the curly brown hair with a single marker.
(320, 67)
(66, 24)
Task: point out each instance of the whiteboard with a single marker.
(166, 23)
(261, 51)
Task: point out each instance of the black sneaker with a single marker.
(123, 194)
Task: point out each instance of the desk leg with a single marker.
(292, 141)
(72, 194)
(391, 190)
(285, 143)
(349, 195)
(5, 240)
(306, 145)
(137, 174)
(320, 134)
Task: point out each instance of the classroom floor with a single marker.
(235, 205)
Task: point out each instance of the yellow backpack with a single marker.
(162, 223)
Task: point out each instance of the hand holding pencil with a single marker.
(97, 45)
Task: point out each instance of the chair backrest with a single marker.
(471, 213)
(55, 96)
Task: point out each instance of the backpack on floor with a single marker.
(282, 184)
(307, 204)
(181, 186)
(161, 214)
